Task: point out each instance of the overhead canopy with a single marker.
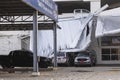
(111, 12)
(17, 7)
(108, 22)
(9, 8)
(14, 8)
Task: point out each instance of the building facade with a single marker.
(108, 49)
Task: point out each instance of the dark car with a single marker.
(22, 58)
(85, 58)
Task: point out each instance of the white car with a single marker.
(61, 58)
(85, 58)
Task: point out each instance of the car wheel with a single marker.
(45, 66)
(76, 65)
(7, 66)
(67, 64)
(94, 64)
(4, 66)
(91, 64)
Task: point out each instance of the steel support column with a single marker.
(55, 44)
(35, 33)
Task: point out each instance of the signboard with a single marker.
(47, 7)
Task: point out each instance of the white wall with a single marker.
(8, 43)
(95, 5)
(10, 40)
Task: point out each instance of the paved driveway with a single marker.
(66, 73)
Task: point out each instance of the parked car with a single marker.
(22, 58)
(61, 58)
(85, 58)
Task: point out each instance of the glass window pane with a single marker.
(114, 51)
(83, 54)
(114, 57)
(116, 40)
(106, 57)
(110, 54)
(106, 41)
(61, 54)
(105, 51)
(118, 57)
(110, 41)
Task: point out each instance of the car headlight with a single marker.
(75, 60)
(88, 60)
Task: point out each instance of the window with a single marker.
(105, 54)
(110, 41)
(61, 54)
(83, 54)
(109, 54)
(105, 41)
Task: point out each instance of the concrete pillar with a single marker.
(95, 5)
(35, 33)
(55, 44)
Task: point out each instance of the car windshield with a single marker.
(84, 54)
(61, 54)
